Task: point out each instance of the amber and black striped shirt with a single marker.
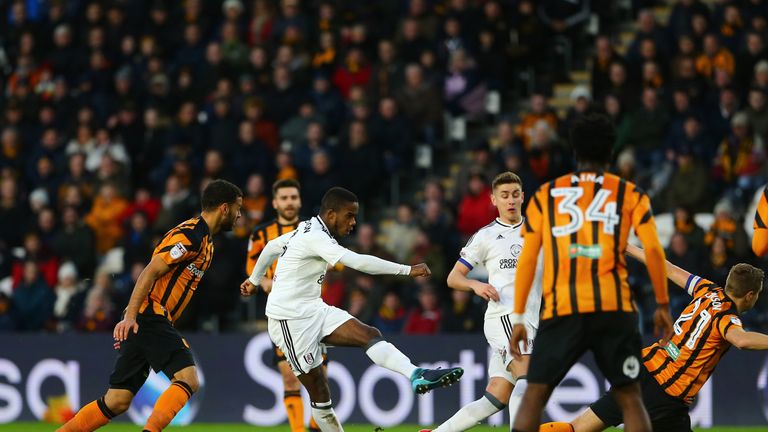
(582, 221)
(760, 225)
(685, 364)
(260, 236)
(188, 250)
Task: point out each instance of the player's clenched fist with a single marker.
(420, 270)
(247, 288)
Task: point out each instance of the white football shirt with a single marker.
(497, 247)
(300, 271)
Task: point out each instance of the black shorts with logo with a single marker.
(667, 413)
(157, 345)
(613, 338)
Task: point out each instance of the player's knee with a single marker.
(118, 403)
(193, 383)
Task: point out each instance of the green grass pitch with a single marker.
(212, 427)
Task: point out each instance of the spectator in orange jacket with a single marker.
(104, 218)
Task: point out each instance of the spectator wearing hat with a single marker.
(69, 297)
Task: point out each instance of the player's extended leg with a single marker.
(356, 334)
(586, 422)
(496, 394)
(184, 385)
(99, 412)
(529, 415)
(294, 406)
(316, 383)
(629, 398)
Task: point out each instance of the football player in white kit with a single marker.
(497, 247)
(298, 319)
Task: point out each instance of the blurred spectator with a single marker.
(463, 315)
(354, 71)
(255, 200)
(390, 317)
(104, 218)
(740, 156)
(46, 263)
(427, 316)
(361, 161)
(757, 112)
(176, 203)
(98, 313)
(317, 181)
(747, 59)
(726, 228)
(419, 101)
(646, 129)
(33, 300)
(463, 93)
(69, 298)
(720, 261)
(12, 214)
(401, 233)
(475, 209)
(604, 56)
(75, 242)
(424, 251)
(689, 185)
(539, 111)
(686, 225)
(714, 57)
(138, 243)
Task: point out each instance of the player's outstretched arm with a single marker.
(377, 266)
(458, 280)
(747, 340)
(151, 273)
(677, 275)
(271, 251)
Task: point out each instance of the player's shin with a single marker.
(388, 356)
(168, 405)
(472, 414)
(326, 419)
(89, 418)
(517, 396)
(294, 408)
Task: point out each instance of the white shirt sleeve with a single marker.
(268, 255)
(373, 265)
(473, 253)
(326, 247)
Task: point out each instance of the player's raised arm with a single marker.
(151, 273)
(377, 266)
(677, 275)
(268, 255)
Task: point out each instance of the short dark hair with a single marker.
(507, 177)
(285, 183)
(592, 137)
(744, 278)
(336, 198)
(219, 192)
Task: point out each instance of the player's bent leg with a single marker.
(294, 406)
(184, 385)
(529, 415)
(99, 412)
(630, 400)
(316, 383)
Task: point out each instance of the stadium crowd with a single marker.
(116, 113)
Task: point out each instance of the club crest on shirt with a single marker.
(515, 250)
(309, 358)
(178, 250)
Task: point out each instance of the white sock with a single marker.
(325, 417)
(388, 356)
(472, 414)
(517, 397)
